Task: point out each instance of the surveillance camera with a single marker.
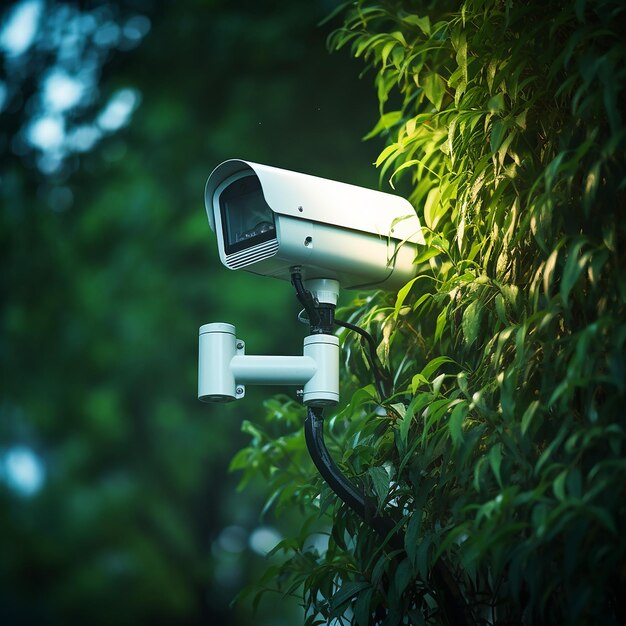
(269, 220)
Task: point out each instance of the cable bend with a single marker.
(350, 494)
(452, 603)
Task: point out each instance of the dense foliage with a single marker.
(503, 443)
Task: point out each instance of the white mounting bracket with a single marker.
(224, 369)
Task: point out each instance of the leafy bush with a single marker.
(503, 443)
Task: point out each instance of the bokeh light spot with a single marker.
(232, 539)
(60, 198)
(62, 91)
(136, 28)
(46, 133)
(118, 110)
(23, 470)
(3, 94)
(108, 35)
(83, 138)
(20, 27)
(263, 539)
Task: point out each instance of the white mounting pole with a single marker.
(224, 368)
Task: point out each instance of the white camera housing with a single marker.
(269, 220)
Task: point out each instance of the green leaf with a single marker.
(405, 423)
(437, 382)
(384, 123)
(402, 294)
(552, 170)
(491, 73)
(471, 322)
(573, 268)
(442, 319)
(387, 48)
(346, 592)
(460, 44)
(402, 576)
(503, 150)
(399, 37)
(435, 88)
(241, 460)
(423, 23)
(559, 485)
(460, 233)
(380, 569)
(604, 517)
(591, 187)
(548, 270)
(411, 539)
(547, 453)
(426, 253)
(495, 461)
(362, 607)
(422, 560)
(430, 207)
(418, 381)
(386, 153)
(498, 131)
(529, 413)
(496, 103)
(455, 423)
(380, 481)
(434, 364)
(501, 309)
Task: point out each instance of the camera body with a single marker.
(269, 220)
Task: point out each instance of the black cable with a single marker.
(322, 317)
(381, 375)
(361, 331)
(314, 436)
(305, 298)
(452, 603)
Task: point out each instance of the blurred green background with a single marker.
(116, 505)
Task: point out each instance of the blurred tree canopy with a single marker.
(115, 503)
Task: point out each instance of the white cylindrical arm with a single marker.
(273, 370)
(224, 369)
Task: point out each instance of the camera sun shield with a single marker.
(268, 220)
